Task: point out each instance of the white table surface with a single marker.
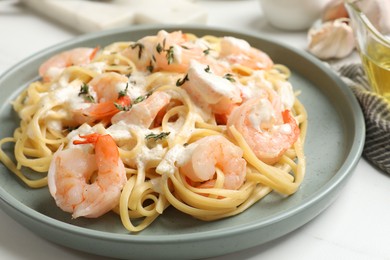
(355, 226)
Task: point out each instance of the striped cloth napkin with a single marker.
(376, 113)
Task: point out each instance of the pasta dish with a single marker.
(208, 125)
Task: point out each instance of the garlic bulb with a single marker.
(333, 39)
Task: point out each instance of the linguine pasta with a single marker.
(202, 84)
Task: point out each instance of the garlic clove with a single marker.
(335, 9)
(332, 39)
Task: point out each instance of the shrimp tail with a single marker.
(289, 119)
(94, 52)
(88, 139)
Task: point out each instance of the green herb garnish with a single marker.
(207, 51)
(170, 55)
(159, 48)
(123, 93)
(156, 137)
(84, 91)
(229, 77)
(140, 46)
(180, 82)
(150, 67)
(207, 69)
(122, 108)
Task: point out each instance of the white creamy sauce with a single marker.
(157, 185)
(119, 131)
(256, 86)
(261, 114)
(68, 93)
(84, 129)
(137, 85)
(283, 129)
(54, 124)
(177, 156)
(121, 86)
(96, 66)
(211, 88)
(167, 164)
(286, 93)
(154, 154)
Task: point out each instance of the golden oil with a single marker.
(376, 63)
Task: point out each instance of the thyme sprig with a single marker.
(141, 98)
(180, 82)
(150, 67)
(170, 55)
(140, 46)
(229, 77)
(122, 107)
(157, 137)
(123, 93)
(135, 101)
(84, 91)
(207, 51)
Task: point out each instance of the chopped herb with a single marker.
(89, 98)
(140, 46)
(122, 108)
(180, 82)
(153, 58)
(185, 144)
(229, 77)
(84, 91)
(184, 47)
(150, 67)
(156, 137)
(170, 55)
(207, 69)
(123, 93)
(159, 48)
(164, 42)
(128, 75)
(207, 51)
(141, 98)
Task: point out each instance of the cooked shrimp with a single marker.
(52, 67)
(141, 52)
(171, 52)
(208, 89)
(109, 90)
(174, 52)
(238, 51)
(213, 152)
(267, 130)
(144, 113)
(70, 177)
